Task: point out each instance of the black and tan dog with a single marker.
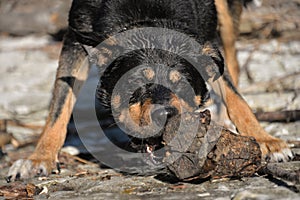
(93, 21)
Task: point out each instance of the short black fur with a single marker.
(96, 20)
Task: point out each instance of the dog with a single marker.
(157, 72)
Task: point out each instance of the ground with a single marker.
(269, 55)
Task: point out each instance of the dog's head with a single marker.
(144, 88)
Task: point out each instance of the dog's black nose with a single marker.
(160, 115)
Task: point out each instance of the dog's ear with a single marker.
(214, 65)
(104, 53)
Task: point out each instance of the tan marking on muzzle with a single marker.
(135, 112)
(146, 113)
(180, 104)
(141, 114)
(198, 100)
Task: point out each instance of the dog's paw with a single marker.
(28, 168)
(275, 150)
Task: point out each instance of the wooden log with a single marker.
(279, 116)
(214, 151)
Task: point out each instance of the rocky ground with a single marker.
(269, 54)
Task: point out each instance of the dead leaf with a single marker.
(180, 186)
(13, 190)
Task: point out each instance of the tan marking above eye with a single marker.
(149, 73)
(175, 76)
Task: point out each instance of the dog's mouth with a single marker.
(175, 137)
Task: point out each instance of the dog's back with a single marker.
(96, 20)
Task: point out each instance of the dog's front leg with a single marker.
(71, 74)
(229, 29)
(241, 115)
